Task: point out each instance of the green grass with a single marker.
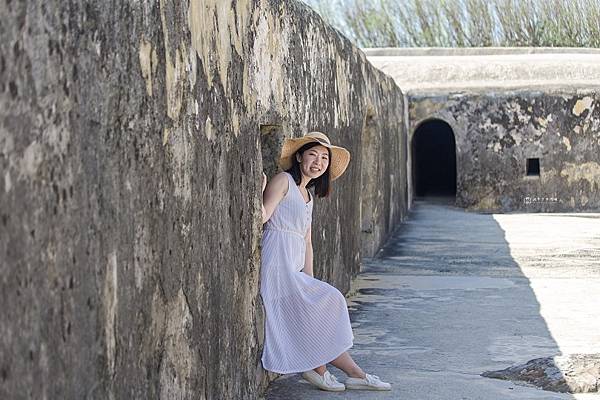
(465, 23)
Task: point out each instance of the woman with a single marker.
(307, 323)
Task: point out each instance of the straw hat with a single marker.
(340, 157)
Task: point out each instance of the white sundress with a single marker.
(307, 323)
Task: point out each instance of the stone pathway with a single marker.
(454, 294)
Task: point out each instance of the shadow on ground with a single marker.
(453, 294)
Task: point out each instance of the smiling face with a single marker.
(314, 161)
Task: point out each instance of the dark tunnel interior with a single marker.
(434, 160)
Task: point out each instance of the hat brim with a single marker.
(340, 157)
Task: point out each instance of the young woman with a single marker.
(307, 323)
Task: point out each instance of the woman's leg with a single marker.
(347, 364)
(320, 370)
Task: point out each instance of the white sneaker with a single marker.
(325, 382)
(370, 382)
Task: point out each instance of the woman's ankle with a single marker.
(359, 373)
(320, 370)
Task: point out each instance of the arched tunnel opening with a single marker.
(434, 161)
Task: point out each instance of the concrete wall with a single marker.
(130, 159)
(453, 70)
(496, 131)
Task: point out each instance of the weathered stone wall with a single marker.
(497, 131)
(383, 191)
(130, 159)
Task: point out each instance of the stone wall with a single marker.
(497, 131)
(383, 191)
(130, 159)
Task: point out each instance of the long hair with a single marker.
(322, 184)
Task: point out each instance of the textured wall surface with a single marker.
(496, 132)
(383, 192)
(130, 159)
(507, 105)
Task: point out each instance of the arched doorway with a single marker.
(434, 161)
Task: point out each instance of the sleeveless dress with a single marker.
(307, 323)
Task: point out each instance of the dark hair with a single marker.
(322, 184)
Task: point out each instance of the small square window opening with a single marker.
(533, 167)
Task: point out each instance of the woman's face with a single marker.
(314, 161)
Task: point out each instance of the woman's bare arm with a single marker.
(272, 195)
(308, 257)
